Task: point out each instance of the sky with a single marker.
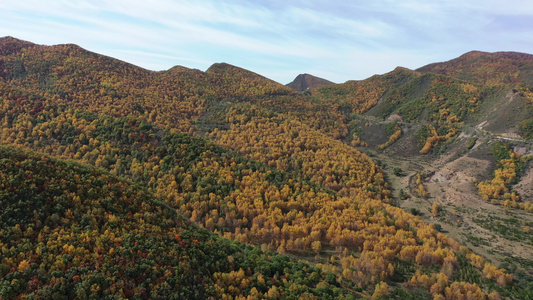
(279, 39)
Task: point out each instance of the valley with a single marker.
(496, 232)
(412, 184)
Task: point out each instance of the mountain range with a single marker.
(120, 182)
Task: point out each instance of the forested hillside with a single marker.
(72, 231)
(487, 68)
(232, 152)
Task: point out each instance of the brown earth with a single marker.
(493, 231)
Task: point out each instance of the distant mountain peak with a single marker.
(306, 81)
(225, 74)
(223, 67)
(227, 69)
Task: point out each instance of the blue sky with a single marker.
(336, 40)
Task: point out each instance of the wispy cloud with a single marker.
(340, 41)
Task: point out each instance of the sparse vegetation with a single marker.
(398, 171)
(472, 143)
(415, 211)
(525, 128)
(395, 131)
(510, 165)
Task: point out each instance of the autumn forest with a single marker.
(118, 182)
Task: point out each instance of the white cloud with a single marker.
(352, 39)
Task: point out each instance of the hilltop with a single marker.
(373, 182)
(303, 82)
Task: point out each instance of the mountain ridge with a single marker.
(334, 175)
(503, 67)
(12, 44)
